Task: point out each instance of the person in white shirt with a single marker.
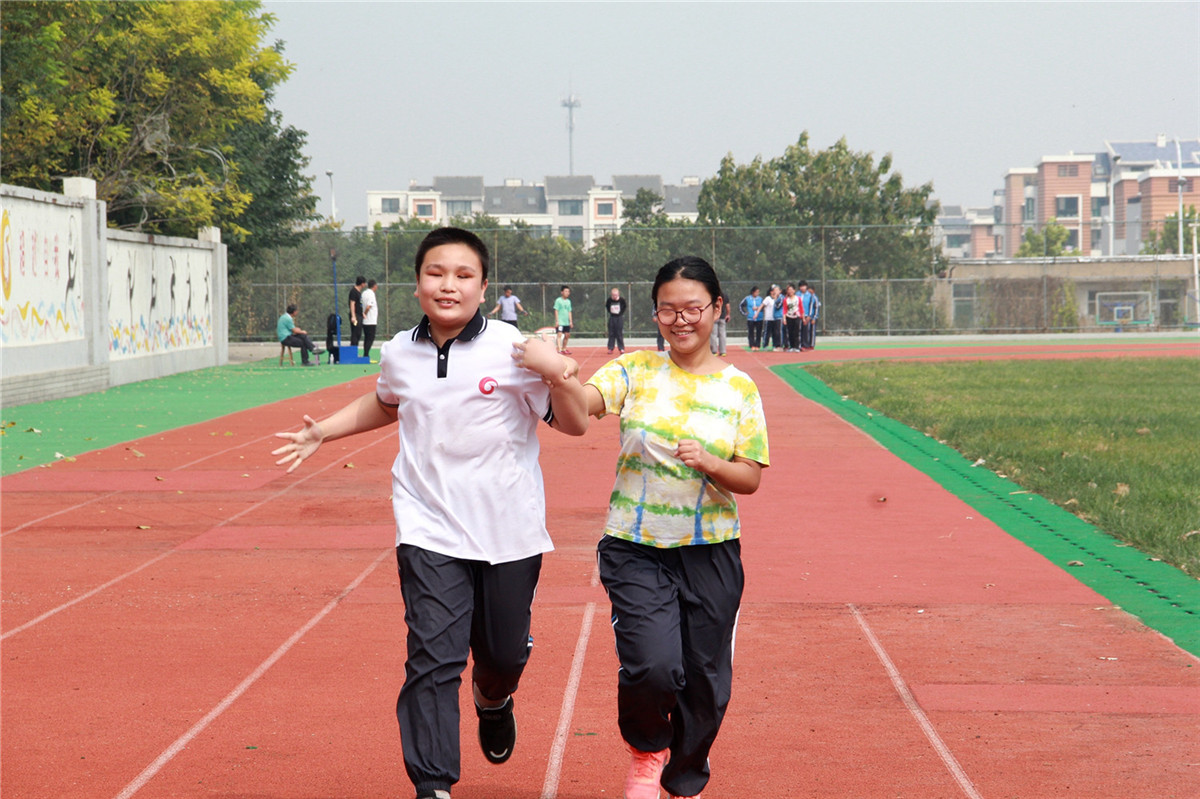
(370, 317)
(467, 496)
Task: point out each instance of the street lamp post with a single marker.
(1195, 272)
(1112, 204)
(332, 200)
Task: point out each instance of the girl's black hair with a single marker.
(689, 267)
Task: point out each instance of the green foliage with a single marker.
(163, 104)
(1038, 303)
(1112, 441)
(1165, 241)
(840, 202)
(1049, 242)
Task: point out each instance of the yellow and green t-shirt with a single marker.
(656, 500)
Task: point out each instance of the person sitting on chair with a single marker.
(292, 336)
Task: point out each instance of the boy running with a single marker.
(467, 497)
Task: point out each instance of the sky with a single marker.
(957, 93)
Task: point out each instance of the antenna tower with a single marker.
(571, 103)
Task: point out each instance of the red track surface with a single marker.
(183, 619)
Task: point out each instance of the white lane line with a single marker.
(82, 597)
(558, 748)
(99, 497)
(162, 555)
(180, 743)
(910, 702)
(554, 767)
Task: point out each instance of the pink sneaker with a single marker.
(645, 770)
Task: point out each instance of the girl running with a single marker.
(693, 435)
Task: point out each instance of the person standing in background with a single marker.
(564, 318)
(808, 324)
(509, 306)
(770, 323)
(370, 317)
(716, 339)
(792, 313)
(356, 310)
(616, 321)
(751, 308)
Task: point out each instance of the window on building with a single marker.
(1068, 170)
(1072, 239)
(606, 208)
(1066, 207)
(390, 205)
(539, 231)
(1099, 205)
(957, 241)
(1173, 185)
(458, 207)
(1096, 238)
(424, 210)
(1030, 209)
(570, 207)
(571, 233)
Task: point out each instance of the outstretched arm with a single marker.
(363, 414)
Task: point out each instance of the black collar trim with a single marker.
(474, 327)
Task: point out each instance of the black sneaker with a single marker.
(435, 794)
(497, 731)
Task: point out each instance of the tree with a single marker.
(144, 98)
(836, 205)
(1049, 242)
(1166, 240)
(645, 209)
(270, 160)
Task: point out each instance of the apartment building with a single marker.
(575, 207)
(1111, 202)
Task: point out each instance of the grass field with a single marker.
(1116, 442)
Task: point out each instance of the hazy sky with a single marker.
(958, 93)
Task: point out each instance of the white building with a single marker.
(574, 207)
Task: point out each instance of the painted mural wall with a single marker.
(85, 307)
(159, 297)
(39, 273)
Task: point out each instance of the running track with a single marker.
(183, 619)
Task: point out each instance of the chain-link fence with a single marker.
(892, 282)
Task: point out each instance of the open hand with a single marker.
(301, 445)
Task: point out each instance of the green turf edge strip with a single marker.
(74, 425)
(1159, 594)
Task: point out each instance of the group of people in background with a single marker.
(785, 319)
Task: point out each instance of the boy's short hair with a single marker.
(563, 287)
(372, 283)
(452, 235)
(802, 284)
(291, 309)
(358, 281)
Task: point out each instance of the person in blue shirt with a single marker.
(751, 308)
(291, 336)
(810, 308)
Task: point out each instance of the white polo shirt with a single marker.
(466, 482)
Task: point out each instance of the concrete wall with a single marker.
(85, 307)
(1167, 278)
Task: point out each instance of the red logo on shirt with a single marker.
(487, 385)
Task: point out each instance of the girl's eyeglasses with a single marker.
(690, 315)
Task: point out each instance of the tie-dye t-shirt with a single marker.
(656, 499)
